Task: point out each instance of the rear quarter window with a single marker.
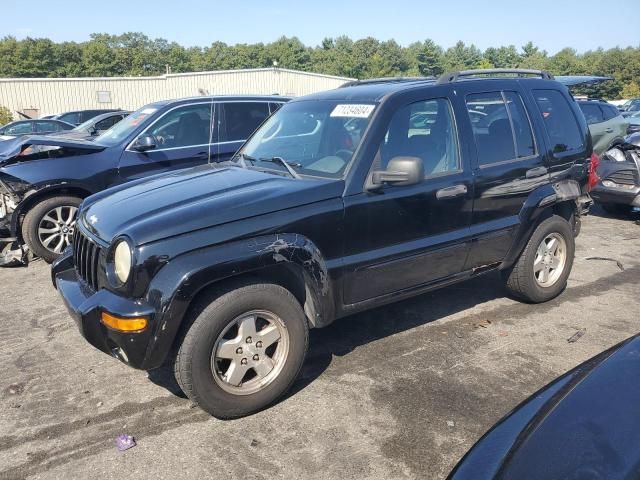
(560, 123)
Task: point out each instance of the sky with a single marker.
(550, 24)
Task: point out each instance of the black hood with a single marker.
(11, 150)
(172, 204)
(585, 425)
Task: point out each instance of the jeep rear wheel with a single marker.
(243, 350)
(48, 227)
(543, 268)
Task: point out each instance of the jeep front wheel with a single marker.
(543, 268)
(48, 227)
(243, 350)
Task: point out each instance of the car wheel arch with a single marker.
(557, 198)
(33, 197)
(289, 260)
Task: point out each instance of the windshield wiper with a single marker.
(285, 164)
(242, 157)
(279, 160)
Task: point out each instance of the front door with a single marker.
(401, 237)
(183, 136)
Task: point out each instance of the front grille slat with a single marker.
(623, 177)
(86, 258)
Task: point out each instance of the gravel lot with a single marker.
(399, 392)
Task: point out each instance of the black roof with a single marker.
(368, 91)
(375, 89)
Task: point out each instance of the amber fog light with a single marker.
(121, 324)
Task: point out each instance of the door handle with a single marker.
(451, 192)
(536, 172)
(609, 130)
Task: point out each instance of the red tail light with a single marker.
(593, 172)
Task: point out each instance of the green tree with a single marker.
(631, 90)
(461, 57)
(5, 115)
(425, 59)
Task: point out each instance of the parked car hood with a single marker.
(583, 425)
(172, 204)
(11, 150)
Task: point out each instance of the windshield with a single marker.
(315, 137)
(126, 126)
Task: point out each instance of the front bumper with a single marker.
(619, 183)
(617, 195)
(86, 305)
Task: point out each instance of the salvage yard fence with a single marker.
(37, 97)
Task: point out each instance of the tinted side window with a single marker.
(609, 112)
(241, 119)
(184, 127)
(19, 129)
(425, 130)
(47, 127)
(561, 124)
(274, 107)
(72, 118)
(592, 113)
(107, 123)
(493, 135)
(525, 144)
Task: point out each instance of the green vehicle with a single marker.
(607, 125)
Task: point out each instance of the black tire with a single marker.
(32, 221)
(208, 319)
(617, 209)
(520, 279)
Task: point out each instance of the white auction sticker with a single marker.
(149, 111)
(352, 110)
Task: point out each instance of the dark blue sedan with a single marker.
(43, 179)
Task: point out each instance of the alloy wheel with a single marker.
(55, 230)
(551, 258)
(250, 352)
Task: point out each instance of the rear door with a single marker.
(509, 166)
(401, 237)
(615, 124)
(236, 122)
(183, 135)
(43, 127)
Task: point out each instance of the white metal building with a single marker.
(44, 96)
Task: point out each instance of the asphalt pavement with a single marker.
(399, 392)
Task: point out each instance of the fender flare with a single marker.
(539, 206)
(33, 195)
(181, 279)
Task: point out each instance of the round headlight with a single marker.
(122, 261)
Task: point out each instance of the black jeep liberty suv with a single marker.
(340, 202)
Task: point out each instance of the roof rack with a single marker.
(370, 81)
(455, 76)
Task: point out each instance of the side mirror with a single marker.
(144, 143)
(400, 171)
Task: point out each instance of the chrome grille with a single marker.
(86, 258)
(623, 177)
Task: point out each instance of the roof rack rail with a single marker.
(369, 81)
(455, 76)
